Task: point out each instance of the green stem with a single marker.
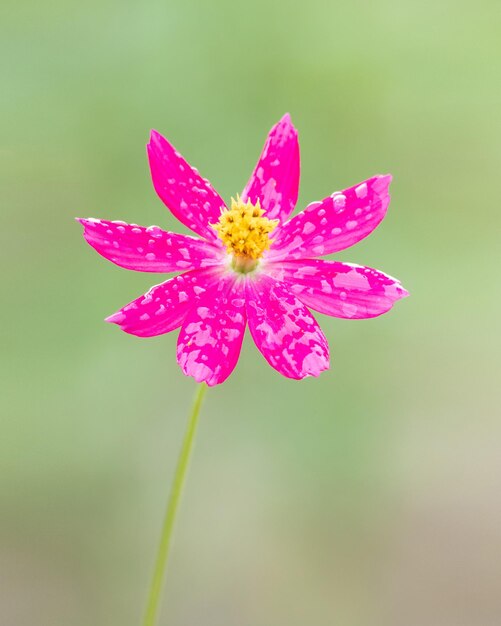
(150, 617)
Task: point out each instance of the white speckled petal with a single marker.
(275, 180)
(191, 198)
(164, 307)
(148, 249)
(339, 289)
(211, 337)
(337, 222)
(285, 332)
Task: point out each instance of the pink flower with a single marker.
(251, 264)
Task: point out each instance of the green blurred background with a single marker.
(367, 497)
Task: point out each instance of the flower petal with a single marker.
(275, 180)
(339, 289)
(190, 197)
(285, 332)
(337, 222)
(165, 306)
(148, 249)
(211, 337)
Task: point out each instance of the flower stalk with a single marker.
(155, 592)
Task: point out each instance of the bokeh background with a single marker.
(367, 497)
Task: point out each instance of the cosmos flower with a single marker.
(250, 264)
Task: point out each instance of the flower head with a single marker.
(250, 264)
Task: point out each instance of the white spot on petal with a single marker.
(361, 190)
(203, 311)
(308, 228)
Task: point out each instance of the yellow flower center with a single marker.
(245, 233)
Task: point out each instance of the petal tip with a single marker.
(285, 125)
(87, 221)
(383, 182)
(395, 293)
(310, 373)
(319, 368)
(200, 373)
(154, 139)
(114, 318)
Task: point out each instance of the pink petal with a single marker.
(190, 197)
(148, 249)
(209, 342)
(337, 222)
(285, 332)
(339, 289)
(164, 307)
(275, 180)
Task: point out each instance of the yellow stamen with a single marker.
(245, 232)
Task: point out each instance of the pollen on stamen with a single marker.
(245, 232)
